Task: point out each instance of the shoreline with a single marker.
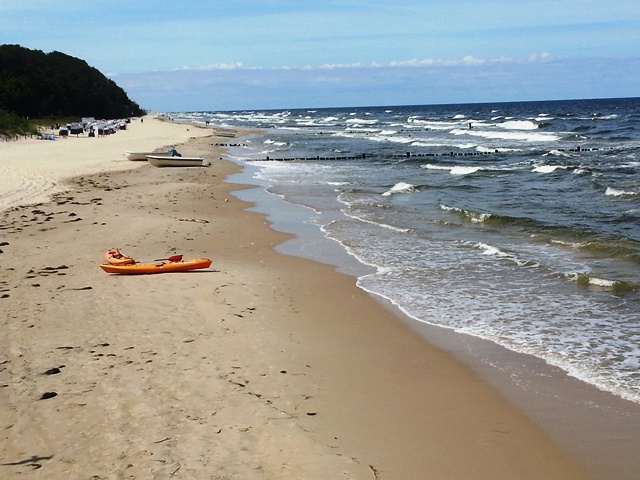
(597, 427)
(267, 366)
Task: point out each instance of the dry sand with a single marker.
(265, 366)
(33, 169)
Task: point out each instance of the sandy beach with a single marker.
(32, 169)
(265, 366)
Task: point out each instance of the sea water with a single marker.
(513, 222)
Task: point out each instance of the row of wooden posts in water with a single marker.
(363, 156)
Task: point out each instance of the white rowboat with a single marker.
(165, 161)
(139, 156)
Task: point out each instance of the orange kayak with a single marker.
(164, 267)
(116, 257)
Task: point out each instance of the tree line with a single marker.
(34, 84)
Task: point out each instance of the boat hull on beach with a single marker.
(138, 156)
(151, 268)
(166, 161)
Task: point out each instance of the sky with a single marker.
(202, 55)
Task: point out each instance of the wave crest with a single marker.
(401, 187)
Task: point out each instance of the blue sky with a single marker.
(259, 54)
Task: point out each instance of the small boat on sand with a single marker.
(139, 156)
(161, 267)
(168, 161)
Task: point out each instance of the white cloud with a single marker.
(469, 79)
(412, 62)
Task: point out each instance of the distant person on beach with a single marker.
(174, 152)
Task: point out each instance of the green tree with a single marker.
(38, 84)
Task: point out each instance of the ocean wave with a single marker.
(548, 168)
(493, 219)
(361, 121)
(507, 135)
(400, 187)
(431, 166)
(467, 170)
(422, 143)
(491, 250)
(502, 254)
(580, 171)
(519, 125)
(373, 135)
(589, 280)
(600, 116)
(356, 216)
(613, 192)
(464, 170)
(474, 217)
(623, 249)
(274, 143)
(558, 153)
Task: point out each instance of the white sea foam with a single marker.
(464, 170)
(507, 135)
(558, 153)
(430, 166)
(546, 168)
(274, 143)
(467, 170)
(587, 279)
(519, 125)
(387, 138)
(491, 250)
(421, 143)
(361, 121)
(378, 224)
(612, 192)
(601, 282)
(431, 124)
(400, 187)
(473, 217)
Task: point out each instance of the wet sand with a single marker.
(263, 366)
